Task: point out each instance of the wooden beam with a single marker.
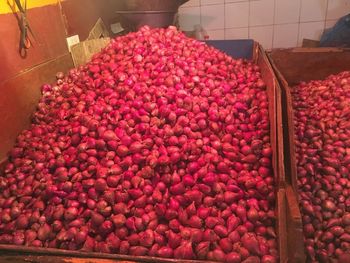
(10, 258)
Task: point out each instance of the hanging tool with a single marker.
(24, 41)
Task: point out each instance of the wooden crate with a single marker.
(273, 92)
(83, 51)
(294, 226)
(247, 49)
(291, 67)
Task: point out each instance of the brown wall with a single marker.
(51, 25)
(47, 25)
(20, 79)
(80, 20)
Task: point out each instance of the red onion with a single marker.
(203, 212)
(71, 213)
(134, 239)
(122, 232)
(118, 220)
(195, 222)
(106, 227)
(154, 250)
(217, 255)
(44, 232)
(96, 218)
(147, 238)
(138, 251)
(124, 247)
(234, 236)
(159, 239)
(210, 235)
(173, 239)
(233, 257)
(159, 146)
(221, 231)
(18, 238)
(251, 259)
(165, 252)
(22, 222)
(184, 251)
(36, 243)
(226, 245)
(80, 237)
(30, 236)
(250, 242)
(320, 119)
(202, 250)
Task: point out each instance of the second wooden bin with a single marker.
(291, 67)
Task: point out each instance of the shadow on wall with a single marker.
(336, 11)
(6, 62)
(188, 19)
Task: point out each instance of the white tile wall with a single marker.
(212, 2)
(232, 1)
(262, 34)
(213, 16)
(330, 23)
(237, 14)
(236, 33)
(216, 34)
(310, 30)
(337, 8)
(261, 12)
(287, 11)
(313, 10)
(192, 3)
(285, 35)
(274, 23)
(189, 17)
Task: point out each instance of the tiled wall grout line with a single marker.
(200, 12)
(279, 24)
(298, 35)
(224, 19)
(325, 18)
(273, 23)
(249, 19)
